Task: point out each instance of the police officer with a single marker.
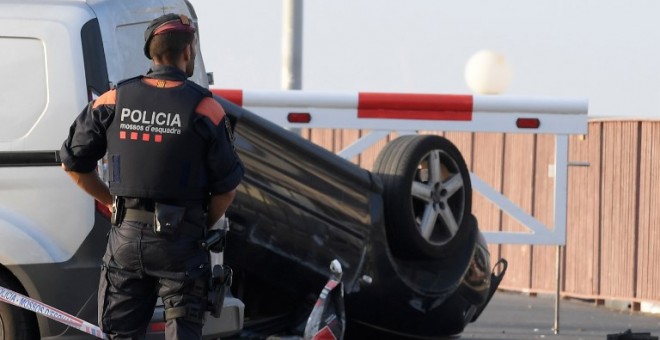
(172, 172)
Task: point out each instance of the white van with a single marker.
(56, 55)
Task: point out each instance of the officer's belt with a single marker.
(137, 215)
(147, 217)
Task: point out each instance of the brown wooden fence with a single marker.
(613, 228)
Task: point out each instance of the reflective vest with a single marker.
(153, 149)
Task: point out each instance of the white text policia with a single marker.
(155, 118)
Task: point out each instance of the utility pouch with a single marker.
(167, 218)
(118, 211)
(220, 281)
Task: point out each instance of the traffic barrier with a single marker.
(409, 113)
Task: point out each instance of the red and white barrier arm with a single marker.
(22, 301)
(409, 111)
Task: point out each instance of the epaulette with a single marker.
(202, 90)
(129, 80)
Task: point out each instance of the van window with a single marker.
(96, 71)
(23, 94)
(132, 50)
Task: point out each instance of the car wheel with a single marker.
(15, 323)
(427, 195)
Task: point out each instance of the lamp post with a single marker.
(292, 25)
(487, 72)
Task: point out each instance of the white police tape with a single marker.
(22, 301)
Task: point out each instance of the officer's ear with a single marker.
(187, 53)
(193, 50)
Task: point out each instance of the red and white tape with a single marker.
(22, 301)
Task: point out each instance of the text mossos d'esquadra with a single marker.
(41, 309)
(28, 304)
(155, 122)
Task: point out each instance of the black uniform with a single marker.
(168, 148)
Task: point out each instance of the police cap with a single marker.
(166, 23)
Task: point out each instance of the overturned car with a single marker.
(415, 263)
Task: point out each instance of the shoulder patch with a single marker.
(230, 135)
(211, 109)
(161, 83)
(108, 98)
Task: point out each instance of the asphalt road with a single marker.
(515, 316)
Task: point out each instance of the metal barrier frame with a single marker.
(404, 113)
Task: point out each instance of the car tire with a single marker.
(15, 323)
(427, 196)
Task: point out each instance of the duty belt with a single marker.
(137, 215)
(147, 217)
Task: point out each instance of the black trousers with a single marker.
(138, 267)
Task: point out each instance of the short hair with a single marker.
(168, 47)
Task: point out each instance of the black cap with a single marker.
(166, 23)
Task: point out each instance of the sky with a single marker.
(606, 51)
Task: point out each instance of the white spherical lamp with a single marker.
(487, 72)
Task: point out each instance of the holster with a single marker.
(221, 276)
(215, 240)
